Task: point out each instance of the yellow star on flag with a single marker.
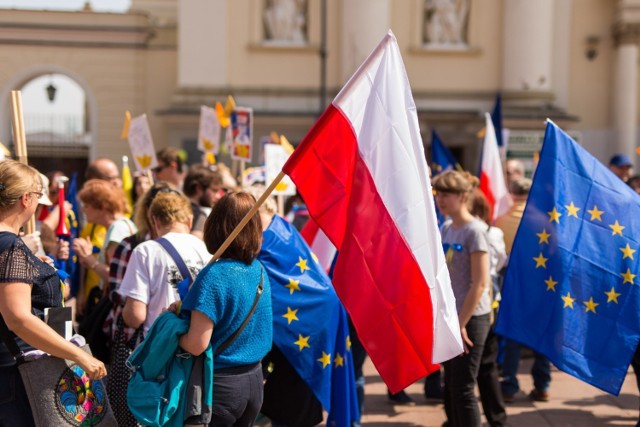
(302, 263)
(573, 210)
(291, 315)
(541, 261)
(612, 295)
(595, 213)
(617, 228)
(302, 342)
(628, 276)
(568, 301)
(348, 341)
(338, 360)
(554, 215)
(325, 359)
(590, 305)
(551, 284)
(627, 252)
(293, 285)
(543, 236)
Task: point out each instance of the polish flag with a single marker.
(491, 177)
(319, 243)
(362, 172)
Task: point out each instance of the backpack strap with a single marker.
(235, 335)
(184, 270)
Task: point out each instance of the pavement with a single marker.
(572, 403)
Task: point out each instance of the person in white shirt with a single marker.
(152, 276)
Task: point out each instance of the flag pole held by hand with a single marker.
(247, 217)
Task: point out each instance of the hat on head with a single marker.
(45, 200)
(620, 160)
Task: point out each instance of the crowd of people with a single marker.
(139, 260)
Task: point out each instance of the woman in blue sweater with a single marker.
(219, 301)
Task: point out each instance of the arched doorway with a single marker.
(60, 118)
(56, 125)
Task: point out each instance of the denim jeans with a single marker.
(460, 376)
(541, 370)
(14, 402)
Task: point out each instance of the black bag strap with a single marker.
(10, 342)
(235, 335)
(184, 270)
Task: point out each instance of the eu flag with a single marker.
(496, 118)
(71, 196)
(441, 157)
(571, 288)
(309, 323)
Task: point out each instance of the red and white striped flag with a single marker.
(362, 173)
(491, 176)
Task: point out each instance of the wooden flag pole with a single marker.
(280, 200)
(20, 143)
(247, 218)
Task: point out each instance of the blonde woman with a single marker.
(27, 286)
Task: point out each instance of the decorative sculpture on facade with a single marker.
(445, 23)
(285, 21)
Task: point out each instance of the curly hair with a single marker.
(102, 195)
(170, 207)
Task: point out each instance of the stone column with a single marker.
(359, 35)
(528, 53)
(625, 87)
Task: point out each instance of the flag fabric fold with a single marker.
(571, 287)
(362, 172)
(319, 243)
(492, 181)
(309, 323)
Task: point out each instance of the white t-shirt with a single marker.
(152, 275)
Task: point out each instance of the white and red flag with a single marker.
(491, 176)
(362, 173)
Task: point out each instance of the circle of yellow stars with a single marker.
(594, 214)
(304, 342)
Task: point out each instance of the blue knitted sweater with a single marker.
(224, 291)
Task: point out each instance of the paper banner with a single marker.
(251, 176)
(242, 133)
(209, 132)
(275, 156)
(141, 144)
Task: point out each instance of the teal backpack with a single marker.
(160, 389)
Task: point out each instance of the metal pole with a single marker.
(323, 55)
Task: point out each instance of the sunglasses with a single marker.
(158, 169)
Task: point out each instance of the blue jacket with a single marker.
(161, 370)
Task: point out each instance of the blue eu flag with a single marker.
(496, 119)
(571, 288)
(441, 157)
(309, 323)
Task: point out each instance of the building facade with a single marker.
(575, 62)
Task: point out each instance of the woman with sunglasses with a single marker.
(28, 285)
(467, 253)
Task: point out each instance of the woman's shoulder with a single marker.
(7, 240)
